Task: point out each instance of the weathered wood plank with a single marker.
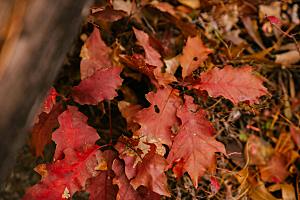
(48, 29)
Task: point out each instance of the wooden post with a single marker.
(30, 58)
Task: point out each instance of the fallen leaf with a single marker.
(294, 14)
(137, 62)
(50, 100)
(133, 150)
(157, 120)
(235, 84)
(150, 173)
(251, 27)
(127, 6)
(129, 111)
(273, 9)
(147, 194)
(214, 185)
(101, 186)
(276, 170)
(74, 132)
(126, 191)
(164, 7)
(171, 65)
(195, 4)
(42, 131)
(193, 54)
(194, 144)
(48, 104)
(288, 58)
(234, 37)
(98, 87)
(65, 177)
(288, 191)
(95, 55)
(274, 20)
(108, 15)
(249, 185)
(258, 151)
(152, 56)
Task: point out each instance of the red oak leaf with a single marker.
(150, 173)
(129, 152)
(153, 59)
(152, 56)
(194, 147)
(95, 55)
(157, 120)
(63, 178)
(235, 84)
(73, 132)
(102, 85)
(193, 55)
(41, 131)
(126, 191)
(101, 186)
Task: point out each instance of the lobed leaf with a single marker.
(63, 178)
(235, 84)
(157, 120)
(193, 55)
(95, 55)
(74, 132)
(100, 86)
(194, 147)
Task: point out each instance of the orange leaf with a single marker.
(193, 55)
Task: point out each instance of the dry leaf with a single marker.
(288, 192)
(191, 3)
(288, 58)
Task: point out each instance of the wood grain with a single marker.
(28, 64)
